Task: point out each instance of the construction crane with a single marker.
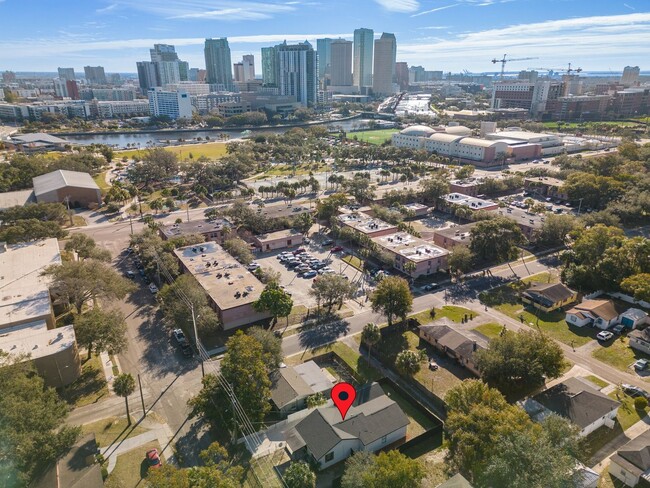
(568, 70)
(504, 61)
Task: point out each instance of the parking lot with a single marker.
(297, 285)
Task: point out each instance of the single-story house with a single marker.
(291, 386)
(456, 481)
(74, 188)
(278, 240)
(597, 313)
(452, 343)
(631, 463)
(549, 296)
(320, 435)
(640, 340)
(577, 400)
(76, 469)
(633, 317)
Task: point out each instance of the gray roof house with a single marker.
(74, 187)
(451, 342)
(577, 400)
(291, 386)
(456, 481)
(373, 422)
(631, 463)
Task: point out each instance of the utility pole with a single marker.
(580, 206)
(196, 341)
(144, 410)
(131, 222)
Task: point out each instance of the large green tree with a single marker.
(243, 367)
(556, 229)
(77, 282)
(299, 475)
(392, 298)
(32, 429)
(275, 301)
(86, 248)
(496, 240)
(239, 249)
(332, 289)
(638, 285)
(101, 330)
(271, 346)
(390, 469)
(460, 260)
(177, 300)
(514, 360)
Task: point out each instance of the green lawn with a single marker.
(420, 423)
(112, 430)
(89, 388)
(352, 358)
(617, 353)
(627, 414)
(100, 179)
(489, 330)
(131, 468)
(211, 150)
(376, 137)
(597, 381)
(354, 261)
(599, 438)
(454, 313)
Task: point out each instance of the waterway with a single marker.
(163, 138)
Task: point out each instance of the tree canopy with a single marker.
(275, 301)
(331, 289)
(101, 330)
(299, 475)
(177, 312)
(390, 469)
(496, 240)
(392, 297)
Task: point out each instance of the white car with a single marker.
(153, 288)
(605, 335)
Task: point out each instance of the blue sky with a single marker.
(448, 35)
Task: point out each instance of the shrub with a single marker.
(640, 403)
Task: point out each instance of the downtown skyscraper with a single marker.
(270, 73)
(363, 46)
(298, 72)
(164, 68)
(341, 63)
(218, 63)
(384, 67)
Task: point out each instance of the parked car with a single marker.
(141, 271)
(292, 264)
(253, 266)
(326, 270)
(179, 336)
(604, 335)
(300, 250)
(130, 274)
(328, 242)
(618, 329)
(153, 289)
(310, 274)
(153, 458)
(336, 249)
(430, 286)
(634, 391)
(433, 366)
(641, 364)
(318, 265)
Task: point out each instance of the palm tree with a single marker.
(370, 336)
(124, 385)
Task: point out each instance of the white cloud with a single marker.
(104, 10)
(444, 7)
(399, 5)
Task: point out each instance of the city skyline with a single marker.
(449, 36)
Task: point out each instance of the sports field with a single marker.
(372, 136)
(211, 150)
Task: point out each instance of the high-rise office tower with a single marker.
(341, 63)
(238, 72)
(324, 50)
(147, 75)
(402, 75)
(173, 104)
(248, 60)
(166, 60)
(163, 52)
(298, 72)
(630, 75)
(363, 45)
(184, 70)
(270, 73)
(384, 66)
(95, 75)
(217, 62)
(66, 73)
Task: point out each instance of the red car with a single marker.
(336, 249)
(153, 458)
(300, 250)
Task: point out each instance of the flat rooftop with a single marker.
(545, 180)
(472, 203)
(194, 227)
(274, 236)
(457, 233)
(227, 281)
(36, 340)
(282, 210)
(410, 247)
(364, 223)
(24, 293)
(415, 206)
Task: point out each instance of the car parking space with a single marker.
(299, 286)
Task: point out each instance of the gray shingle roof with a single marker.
(37, 137)
(635, 455)
(287, 386)
(371, 427)
(553, 292)
(318, 434)
(578, 401)
(61, 179)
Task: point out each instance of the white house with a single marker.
(631, 463)
(597, 313)
(640, 340)
(576, 400)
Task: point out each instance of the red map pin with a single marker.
(343, 395)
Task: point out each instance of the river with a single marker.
(160, 138)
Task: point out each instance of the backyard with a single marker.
(617, 353)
